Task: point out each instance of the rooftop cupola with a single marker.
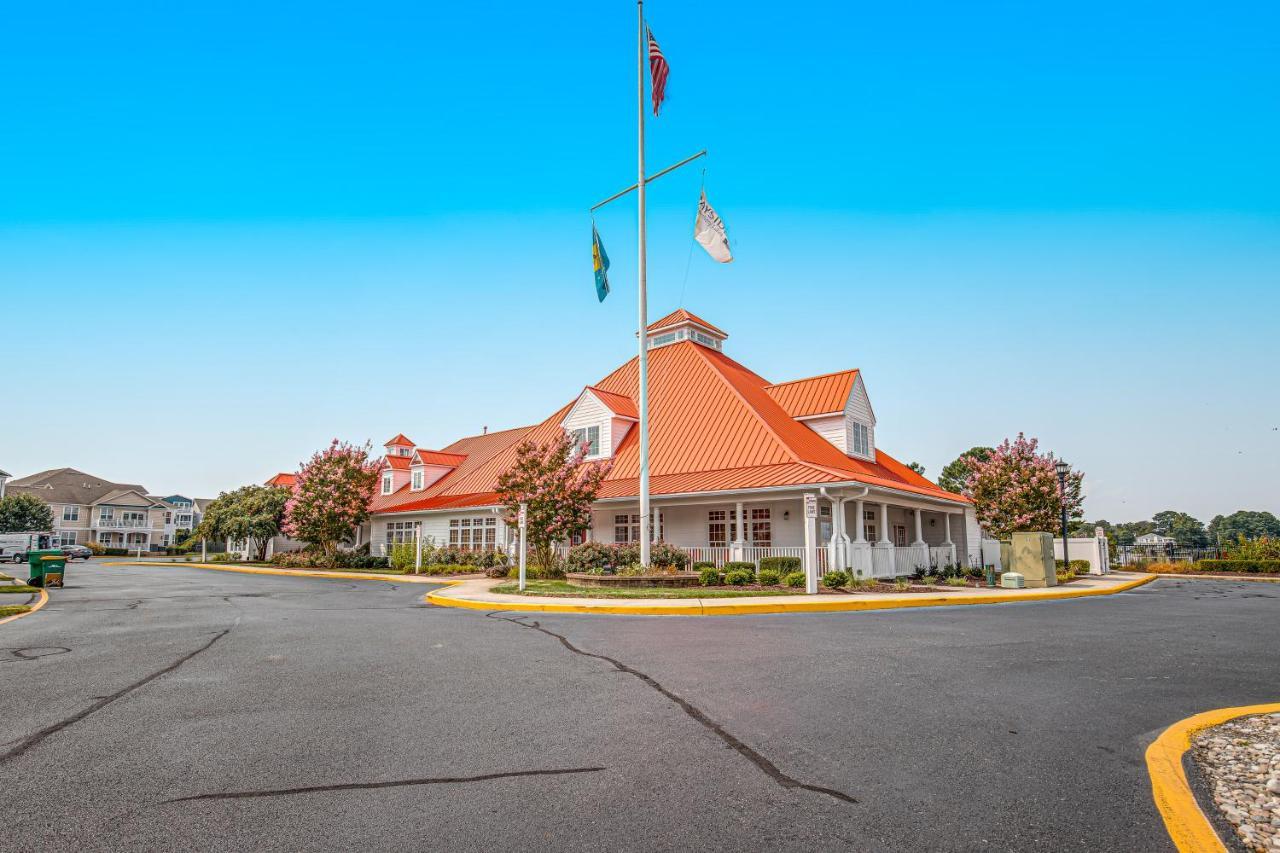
(399, 446)
(680, 325)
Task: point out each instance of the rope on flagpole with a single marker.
(692, 239)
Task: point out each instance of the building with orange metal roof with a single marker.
(725, 445)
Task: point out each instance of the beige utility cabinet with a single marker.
(1032, 557)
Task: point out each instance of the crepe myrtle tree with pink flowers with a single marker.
(331, 496)
(1016, 488)
(559, 487)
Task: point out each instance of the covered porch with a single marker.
(875, 533)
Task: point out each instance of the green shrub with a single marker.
(700, 565)
(955, 580)
(708, 575)
(781, 565)
(1265, 567)
(835, 580)
(738, 577)
(1264, 548)
(769, 577)
(1079, 567)
(901, 584)
(736, 566)
(794, 579)
(667, 557)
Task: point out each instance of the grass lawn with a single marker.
(18, 588)
(12, 609)
(564, 588)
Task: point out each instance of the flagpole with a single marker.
(645, 521)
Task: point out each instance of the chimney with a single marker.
(484, 431)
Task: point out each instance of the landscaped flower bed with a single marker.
(591, 579)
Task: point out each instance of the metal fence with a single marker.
(1130, 555)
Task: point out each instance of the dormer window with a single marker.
(861, 437)
(590, 438)
(417, 479)
(386, 482)
(682, 326)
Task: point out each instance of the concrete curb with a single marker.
(44, 599)
(302, 573)
(453, 597)
(1217, 577)
(1187, 824)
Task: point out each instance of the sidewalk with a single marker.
(476, 595)
(302, 573)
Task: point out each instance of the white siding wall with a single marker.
(589, 411)
(430, 474)
(834, 429)
(859, 409)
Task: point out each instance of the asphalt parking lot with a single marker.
(160, 708)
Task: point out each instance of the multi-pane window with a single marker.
(417, 479)
(399, 531)
(590, 437)
(66, 537)
(861, 440)
(134, 518)
(477, 534)
(386, 483)
(626, 528)
(722, 527)
(71, 512)
(761, 528)
(168, 518)
(106, 512)
(183, 521)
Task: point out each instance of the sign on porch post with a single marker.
(524, 518)
(811, 544)
(417, 545)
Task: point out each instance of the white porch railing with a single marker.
(756, 553)
(118, 523)
(941, 555)
(882, 562)
(910, 558)
(717, 555)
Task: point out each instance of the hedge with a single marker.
(781, 565)
(1266, 567)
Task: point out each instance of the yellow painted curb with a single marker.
(705, 607)
(44, 599)
(305, 573)
(1216, 577)
(1187, 824)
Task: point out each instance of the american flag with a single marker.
(658, 68)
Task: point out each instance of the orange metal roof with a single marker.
(714, 426)
(817, 395)
(618, 404)
(399, 441)
(436, 457)
(399, 463)
(283, 480)
(679, 316)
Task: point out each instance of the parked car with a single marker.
(76, 552)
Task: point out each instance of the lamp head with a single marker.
(1063, 468)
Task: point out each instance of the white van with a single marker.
(14, 546)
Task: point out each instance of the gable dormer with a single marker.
(599, 420)
(836, 407)
(429, 466)
(681, 325)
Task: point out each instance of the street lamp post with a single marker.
(1063, 468)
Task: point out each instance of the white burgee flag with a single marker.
(709, 231)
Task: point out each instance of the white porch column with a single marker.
(919, 530)
(859, 522)
(946, 524)
(834, 555)
(884, 525)
(738, 525)
(884, 546)
(417, 547)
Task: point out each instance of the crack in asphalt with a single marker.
(27, 653)
(399, 783)
(763, 764)
(34, 739)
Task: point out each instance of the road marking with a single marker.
(1186, 822)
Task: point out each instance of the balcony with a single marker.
(121, 524)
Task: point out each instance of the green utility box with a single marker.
(46, 568)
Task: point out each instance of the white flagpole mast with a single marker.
(645, 522)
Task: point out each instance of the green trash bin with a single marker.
(46, 568)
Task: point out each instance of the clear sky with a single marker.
(231, 231)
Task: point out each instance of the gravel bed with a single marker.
(1241, 763)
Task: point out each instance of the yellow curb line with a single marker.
(305, 573)
(442, 598)
(44, 599)
(1216, 577)
(1186, 822)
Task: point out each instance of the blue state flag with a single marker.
(600, 262)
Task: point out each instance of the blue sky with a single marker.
(258, 226)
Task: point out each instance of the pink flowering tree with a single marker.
(332, 496)
(1016, 488)
(559, 488)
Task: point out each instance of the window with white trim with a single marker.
(419, 477)
(182, 520)
(761, 527)
(106, 512)
(386, 482)
(626, 528)
(474, 534)
(71, 512)
(722, 527)
(861, 439)
(66, 537)
(168, 518)
(399, 532)
(588, 436)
